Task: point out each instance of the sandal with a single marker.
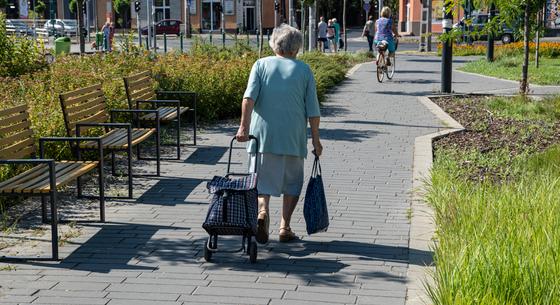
(262, 227)
(286, 235)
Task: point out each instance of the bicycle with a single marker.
(382, 68)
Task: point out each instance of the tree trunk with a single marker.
(524, 87)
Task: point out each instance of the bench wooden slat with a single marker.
(80, 91)
(18, 150)
(136, 95)
(70, 176)
(137, 76)
(27, 183)
(19, 154)
(100, 117)
(87, 112)
(19, 126)
(16, 137)
(18, 179)
(166, 114)
(42, 185)
(36, 179)
(15, 119)
(118, 138)
(73, 101)
(13, 110)
(141, 84)
(145, 97)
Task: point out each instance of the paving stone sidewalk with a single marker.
(150, 250)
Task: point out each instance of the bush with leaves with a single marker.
(18, 55)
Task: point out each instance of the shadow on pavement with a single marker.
(170, 191)
(347, 135)
(209, 155)
(386, 124)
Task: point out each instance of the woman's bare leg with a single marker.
(288, 208)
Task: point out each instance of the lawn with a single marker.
(495, 190)
(509, 67)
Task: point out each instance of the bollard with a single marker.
(164, 43)
(147, 42)
(181, 41)
(140, 39)
(268, 34)
(248, 39)
(258, 40)
(223, 39)
(211, 38)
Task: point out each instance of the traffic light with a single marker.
(84, 8)
(137, 6)
(276, 6)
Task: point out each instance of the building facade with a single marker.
(205, 15)
(410, 16)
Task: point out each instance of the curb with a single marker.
(353, 69)
(422, 226)
(505, 80)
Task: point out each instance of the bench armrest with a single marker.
(69, 140)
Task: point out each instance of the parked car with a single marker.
(61, 27)
(477, 23)
(19, 27)
(166, 26)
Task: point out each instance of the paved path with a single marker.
(150, 251)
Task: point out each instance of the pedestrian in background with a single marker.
(336, 35)
(106, 33)
(322, 33)
(369, 32)
(331, 36)
(280, 100)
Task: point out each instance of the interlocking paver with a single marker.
(150, 251)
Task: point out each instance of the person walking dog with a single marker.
(280, 99)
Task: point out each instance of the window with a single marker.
(437, 11)
(162, 9)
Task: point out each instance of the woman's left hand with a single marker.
(242, 134)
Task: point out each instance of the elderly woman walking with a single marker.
(280, 99)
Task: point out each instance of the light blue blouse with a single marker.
(285, 96)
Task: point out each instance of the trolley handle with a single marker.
(251, 137)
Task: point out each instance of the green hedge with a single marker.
(218, 75)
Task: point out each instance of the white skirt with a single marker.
(278, 174)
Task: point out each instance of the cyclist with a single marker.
(385, 29)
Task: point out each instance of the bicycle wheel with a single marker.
(380, 68)
(391, 68)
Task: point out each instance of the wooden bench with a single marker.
(85, 108)
(140, 92)
(45, 175)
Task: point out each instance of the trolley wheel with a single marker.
(207, 254)
(253, 252)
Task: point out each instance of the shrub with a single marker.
(546, 49)
(19, 55)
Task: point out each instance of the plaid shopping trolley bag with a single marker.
(233, 209)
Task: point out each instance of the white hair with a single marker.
(285, 39)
